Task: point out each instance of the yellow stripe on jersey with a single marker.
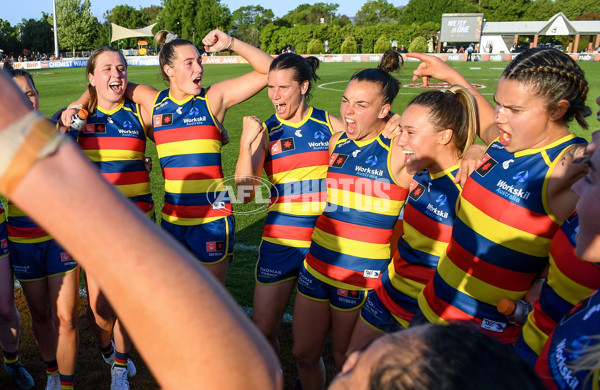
(30, 240)
(298, 174)
(15, 211)
(352, 247)
(188, 221)
(113, 155)
(299, 208)
(360, 202)
(194, 186)
(131, 190)
(472, 286)
(428, 312)
(288, 242)
(189, 147)
(424, 244)
(509, 237)
(565, 287)
(534, 337)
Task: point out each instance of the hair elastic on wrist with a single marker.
(29, 139)
(230, 44)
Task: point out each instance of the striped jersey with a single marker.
(296, 165)
(500, 239)
(115, 141)
(188, 142)
(429, 214)
(351, 241)
(570, 280)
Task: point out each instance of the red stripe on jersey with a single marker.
(582, 272)
(295, 161)
(312, 197)
(364, 186)
(144, 206)
(427, 226)
(443, 309)
(289, 232)
(417, 273)
(196, 211)
(488, 273)
(343, 275)
(194, 173)
(187, 133)
(24, 232)
(124, 178)
(509, 213)
(391, 305)
(352, 231)
(117, 143)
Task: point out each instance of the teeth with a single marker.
(349, 121)
(407, 152)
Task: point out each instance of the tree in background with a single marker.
(349, 46)
(422, 11)
(249, 21)
(504, 11)
(382, 45)
(183, 17)
(377, 12)
(315, 14)
(128, 17)
(315, 46)
(540, 10)
(8, 39)
(418, 45)
(37, 35)
(77, 27)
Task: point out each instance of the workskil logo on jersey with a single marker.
(282, 145)
(163, 120)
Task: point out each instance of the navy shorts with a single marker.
(278, 263)
(209, 242)
(377, 316)
(339, 298)
(39, 260)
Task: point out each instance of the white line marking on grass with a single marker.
(333, 82)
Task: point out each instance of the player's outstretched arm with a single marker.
(187, 328)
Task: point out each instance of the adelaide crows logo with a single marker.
(487, 163)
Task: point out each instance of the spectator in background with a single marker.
(470, 52)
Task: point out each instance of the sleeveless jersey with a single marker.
(296, 165)
(570, 280)
(500, 239)
(188, 142)
(574, 334)
(115, 141)
(429, 214)
(351, 241)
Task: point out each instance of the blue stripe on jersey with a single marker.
(191, 160)
(493, 253)
(195, 199)
(467, 304)
(364, 218)
(415, 256)
(553, 304)
(121, 166)
(301, 221)
(346, 261)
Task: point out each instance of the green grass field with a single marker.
(59, 87)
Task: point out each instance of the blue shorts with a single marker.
(339, 298)
(377, 316)
(278, 263)
(209, 242)
(39, 260)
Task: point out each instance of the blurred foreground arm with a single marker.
(190, 332)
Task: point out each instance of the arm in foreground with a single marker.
(176, 313)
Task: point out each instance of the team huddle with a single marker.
(383, 222)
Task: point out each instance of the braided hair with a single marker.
(552, 75)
